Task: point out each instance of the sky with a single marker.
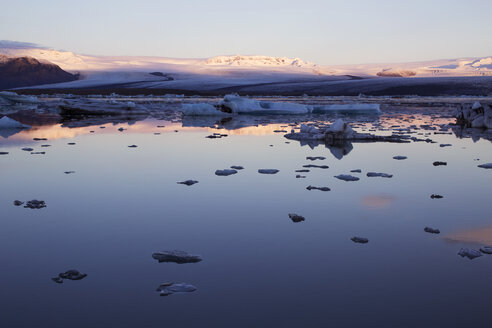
(324, 32)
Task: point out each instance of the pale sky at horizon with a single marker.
(324, 32)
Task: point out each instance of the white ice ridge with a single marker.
(8, 123)
(233, 104)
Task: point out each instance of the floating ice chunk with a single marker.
(436, 196)
(4, 152)
(439, 163)
(347, 177)
(382, 175)
(445, 145)
(432, 230)
(311, 158)
(476, 105)
(72, 275)
(237, 167)
(485, 166)
(337, 126)
(241, 105)
(176, 257)
(35, 204)
(469, 253)
(318, 188)
(27, 149)
(486, 249)
(188, 182)
(296, 218)
(399, 158)
(8, 123)
(225, 172)
(201, 110)
(356, 171)
(316, 166)
(18, 203)
(359, 240)
(268, 171)
(169, 288)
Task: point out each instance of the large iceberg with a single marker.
(233, 104)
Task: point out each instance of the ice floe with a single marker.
(14, 98)
(486, 249)
(188, 182)
(346, 177)
(296, 217)
(485, 166)
(432, 230)
(469, 253)
(70, 275)
(225, 172)
(359, 240)
(376, 174)
(318, 188)
(176, 257)
(268, 171)
(170, 288)
(399, 158)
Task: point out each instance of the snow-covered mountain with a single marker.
(221, 65)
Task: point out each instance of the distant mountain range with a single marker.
(238, 73)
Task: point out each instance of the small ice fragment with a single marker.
(316, 166)
(27, 149)
(298, 176)
(35, 204)
(4, 152)
(302, 171)
(38, 152)
(318, 188)
(432, 230)
(360, 240)
(296, 218)
(436, 196)
(132, 146)
(445, 145)
(469, 253)
(382, 175)
(237, 167)
(170, 288)
(438, 163)
(72, 275)
(347, 177)
(311, 158)
(356, 171)
(268, 171)
(69, 172)
(71, 143)
(18, 203)
(485, 166)
(176, 257)
(399, 158)
(486, 249)
(225, 172)
(188, 182)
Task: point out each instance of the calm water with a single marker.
(260, 269)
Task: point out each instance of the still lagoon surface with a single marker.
(259, 268)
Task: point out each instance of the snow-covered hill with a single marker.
(221, 65)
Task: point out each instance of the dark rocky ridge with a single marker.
(18, 72)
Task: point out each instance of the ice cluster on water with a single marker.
(233, 104)
(474, 116)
